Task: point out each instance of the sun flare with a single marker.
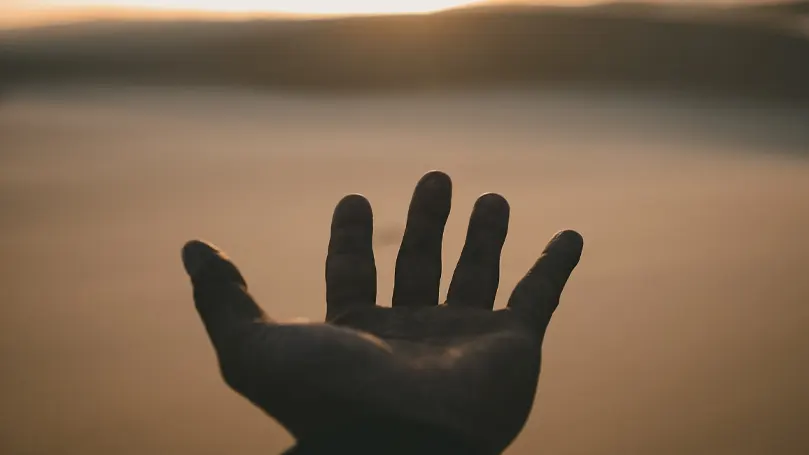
(275, 6)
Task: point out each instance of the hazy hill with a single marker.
(739, 51)
(798, 7)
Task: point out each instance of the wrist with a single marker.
(384, 436)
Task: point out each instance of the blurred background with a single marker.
(673, 135)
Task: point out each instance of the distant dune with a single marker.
(743, 51)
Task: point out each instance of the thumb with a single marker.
(220, 291)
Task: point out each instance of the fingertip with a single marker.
(488, 224)
(492, 200)
(438, 184)
(432, 199)
(352, 208)
(491, 208)
(564, 252)
(197, 254)
(567, 239)
(436, 178)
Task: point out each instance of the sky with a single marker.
(14, 13)
(27, 12)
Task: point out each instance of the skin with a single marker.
(456, 374)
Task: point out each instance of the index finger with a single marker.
(350, 266)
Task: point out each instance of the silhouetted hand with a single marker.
(457, 375)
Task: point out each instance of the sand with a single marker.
(685, 328)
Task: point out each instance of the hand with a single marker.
(458, 372)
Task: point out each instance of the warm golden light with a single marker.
(270, 6)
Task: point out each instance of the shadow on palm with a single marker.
(457, 371)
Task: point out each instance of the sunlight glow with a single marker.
(275, 6)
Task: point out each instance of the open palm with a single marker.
(418, 376)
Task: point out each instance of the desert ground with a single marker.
(685, 328)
